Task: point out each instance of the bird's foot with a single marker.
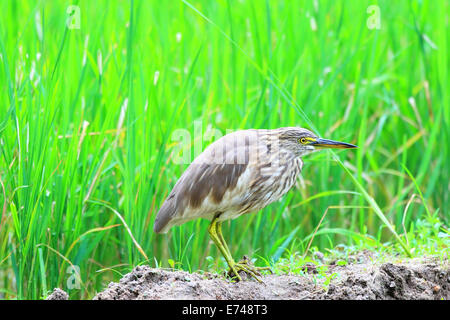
(245, 260)
(245, 267)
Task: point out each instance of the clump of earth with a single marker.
(365, 279)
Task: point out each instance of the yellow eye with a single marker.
(303, 141)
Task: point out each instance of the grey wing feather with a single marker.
(198, 183)
(203, 185)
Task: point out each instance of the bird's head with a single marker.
(301, 141)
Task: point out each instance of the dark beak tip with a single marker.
(325, 143)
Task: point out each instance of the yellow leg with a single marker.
(215, 231)
(216, 237)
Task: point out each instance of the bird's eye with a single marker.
(303, 141)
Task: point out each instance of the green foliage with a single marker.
(87, 117)
(429, 236)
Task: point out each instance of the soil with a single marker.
(362, 279)
(58, 294)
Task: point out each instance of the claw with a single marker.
(245, 265)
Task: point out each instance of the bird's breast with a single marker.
(270, 183)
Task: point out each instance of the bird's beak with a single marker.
(325, 143)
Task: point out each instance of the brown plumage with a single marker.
(241, 172)
(229, 178)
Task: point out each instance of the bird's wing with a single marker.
(216, 181)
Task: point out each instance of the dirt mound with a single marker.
(411, 280)
(58, 294)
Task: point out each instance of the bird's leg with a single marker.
(221, 238)
(245, 261)
(216, 232)
(217, 237)
(242, 264)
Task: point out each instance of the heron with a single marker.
(240, 173)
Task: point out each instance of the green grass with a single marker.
(87, 117)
